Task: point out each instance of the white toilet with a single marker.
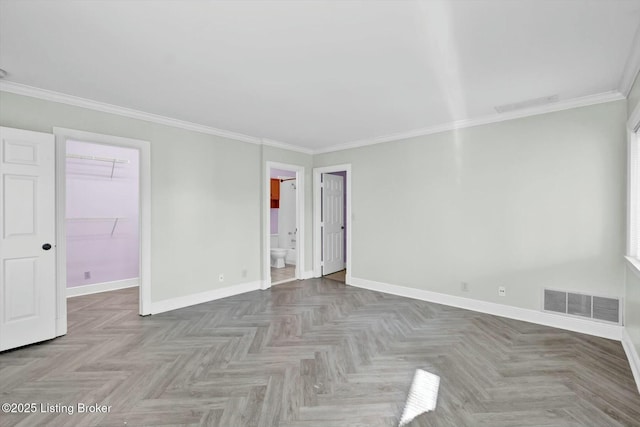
(277, 254)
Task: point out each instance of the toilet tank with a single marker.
(275, 242)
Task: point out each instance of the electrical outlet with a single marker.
(87, 275)
(502, 291)
(464, 286)
(221, 277)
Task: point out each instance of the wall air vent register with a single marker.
(603, 309)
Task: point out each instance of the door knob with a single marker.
(46, 246)
(342, 227)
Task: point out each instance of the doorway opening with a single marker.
(332, 222)
(103, 217)
(284, 228)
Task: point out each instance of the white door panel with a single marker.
(333, 223)
(27, 270)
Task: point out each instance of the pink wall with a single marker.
(274, 212)
(92, 193)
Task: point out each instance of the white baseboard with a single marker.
(307, 274)
(77, 291)
(598, 329)
(632, 356)
(199, 298)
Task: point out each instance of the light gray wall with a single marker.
(527, 203)
(205, 194)
(632, 307)
(634, 95)
(524, 204)
(632, 285)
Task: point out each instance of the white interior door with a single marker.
(332, 223)
(27, 234)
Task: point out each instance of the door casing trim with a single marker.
(62, 135)
(317, 215)
(300, 203)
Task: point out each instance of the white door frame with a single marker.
(266, 219)
(317, 215)
(62, 135)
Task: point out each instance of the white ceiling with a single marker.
(318, 73)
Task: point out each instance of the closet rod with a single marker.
(99, 159)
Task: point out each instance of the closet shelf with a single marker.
(111, 160)
(114, 219)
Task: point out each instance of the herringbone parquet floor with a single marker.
(314, 353)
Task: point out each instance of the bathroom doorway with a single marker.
(332, 222)
(284, 198)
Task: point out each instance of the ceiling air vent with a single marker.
(604, 309)
(526, 104)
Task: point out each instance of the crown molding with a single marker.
(632, 66)
(493, 118)
(48, 95)
(285, 146)
(76, 101)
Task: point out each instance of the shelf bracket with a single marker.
(115, 223)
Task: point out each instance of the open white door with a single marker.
(333, 223)
(27, 234)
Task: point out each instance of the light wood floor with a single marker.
(338, 276)
(315, 353)
(287, 272)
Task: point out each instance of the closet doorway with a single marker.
(103, 217)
